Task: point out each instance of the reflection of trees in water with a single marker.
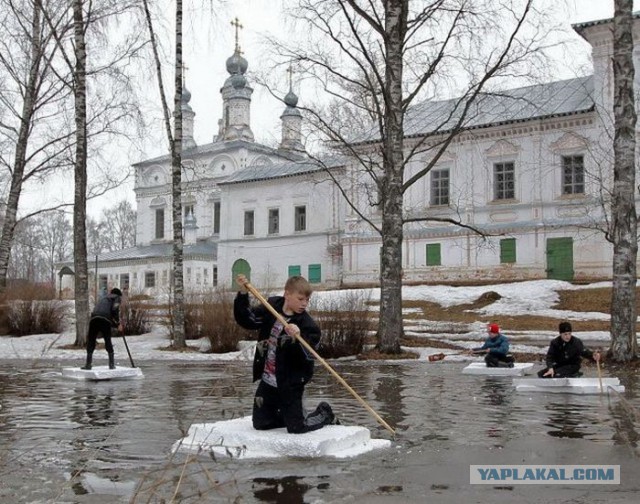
(497, 396)
(567, 420)
(388, 391)
(223, 395)
(495, 393)
(625, 416)
(286, 490)
(93, 407)
(432, 397)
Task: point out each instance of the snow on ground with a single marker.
(532, 297)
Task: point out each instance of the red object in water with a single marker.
(436, 357)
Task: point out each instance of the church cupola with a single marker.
(236, 98)
(291, 122)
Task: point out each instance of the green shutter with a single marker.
(294, 271)
(433, 254)
(315, 273)
(508, 250)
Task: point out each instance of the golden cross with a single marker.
(237, 25)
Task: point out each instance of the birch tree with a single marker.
(100, 121)
(380, 58)
(174, 138)
(81, 277)
(623, 211)
(35, 136)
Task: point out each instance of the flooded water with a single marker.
(69, 441)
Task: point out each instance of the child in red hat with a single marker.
(496, 348)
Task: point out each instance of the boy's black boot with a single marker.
(88, 363)
(112, 364)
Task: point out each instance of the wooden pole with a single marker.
(599, 374)
(312, 351)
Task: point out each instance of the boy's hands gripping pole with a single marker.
(296, 334)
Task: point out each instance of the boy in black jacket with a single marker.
(281, 363)
(565, 354)
(104, 316)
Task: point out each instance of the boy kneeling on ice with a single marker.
(496, 346)
(281, 363)
(565, 354)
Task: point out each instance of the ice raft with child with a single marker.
(237, 438)
(568, 385)
(480, 368)
(99, 373)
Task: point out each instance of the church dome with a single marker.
(238, 81)
(291, 99)
(186, 95)
(236, 64)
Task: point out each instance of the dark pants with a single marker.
(566, 371)
(274, 408)
(99, 327)
(498, 360)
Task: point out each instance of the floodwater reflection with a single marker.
(111, 442)
(289, 489)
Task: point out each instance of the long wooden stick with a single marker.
(599, 374)
(312, 351)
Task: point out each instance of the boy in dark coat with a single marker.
(105, 315)
(565, 355)
(496, 348)
(281, 363)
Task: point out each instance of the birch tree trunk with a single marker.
(390, 328)
(175, 147)
(80, 177)
(17, 175)
(176, 182)
(624, 220)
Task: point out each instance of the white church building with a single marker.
(530, 169)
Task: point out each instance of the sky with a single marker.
(209, 41)
(535, 298)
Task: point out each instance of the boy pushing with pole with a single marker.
(281, 363)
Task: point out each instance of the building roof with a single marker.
(221, 146)
(281, 170)
(579, 27)
(160, 250)
(554, 99)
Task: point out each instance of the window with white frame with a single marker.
(573, 174)
(300, 218)
(504, 181)
(216, 217)
(150, 279)
(159, 223)
(440, 187)
(274, 221)
(248, 222)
